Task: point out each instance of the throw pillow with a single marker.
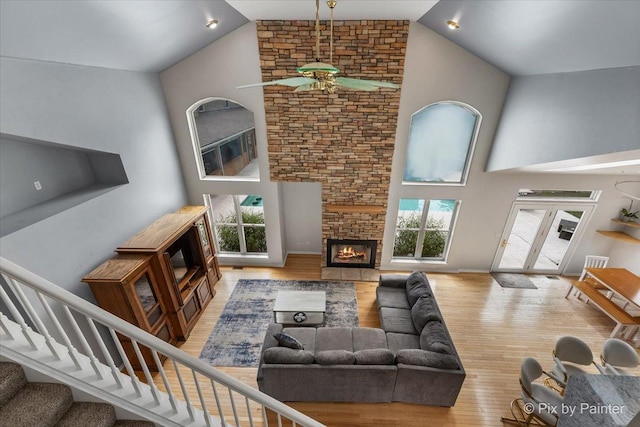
(434, 338)
(335, 357)
(417, 286)
(288, 341)
(285, 355)
(427, 358)
(375, 356)
(423, 311)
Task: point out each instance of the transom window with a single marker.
(424, 228)
(224, 139)
(573, 195)
(441, 142)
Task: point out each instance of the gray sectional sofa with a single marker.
(411, 358)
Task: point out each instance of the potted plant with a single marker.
(627, 215)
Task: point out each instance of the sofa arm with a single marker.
(269, 341)
(393, 280)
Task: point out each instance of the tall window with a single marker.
(441, 141)
(224, 139)
(423, 228)
(238, 223)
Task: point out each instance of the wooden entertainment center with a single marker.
(162, 278)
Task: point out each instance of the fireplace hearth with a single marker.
(351, 253)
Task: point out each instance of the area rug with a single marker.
(509, 280)
(236, 339)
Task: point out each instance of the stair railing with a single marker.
(203, 395)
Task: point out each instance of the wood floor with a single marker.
(493, 330)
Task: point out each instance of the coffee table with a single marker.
(304, 308)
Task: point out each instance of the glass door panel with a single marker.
(518, 245)
(558, 239)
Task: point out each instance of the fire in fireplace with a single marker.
(351, 253)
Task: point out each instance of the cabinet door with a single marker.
(148, 299)
(205, 241)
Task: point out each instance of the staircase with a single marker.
(27, 404)
(62, 336)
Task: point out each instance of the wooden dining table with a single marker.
(619, 280)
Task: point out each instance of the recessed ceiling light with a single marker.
(212, 24)
(453, 25)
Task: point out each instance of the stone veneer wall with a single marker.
(344, 140)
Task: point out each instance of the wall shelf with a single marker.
(627, 224)
(619, 235)
(373, 209)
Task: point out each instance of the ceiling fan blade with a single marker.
(304, 88)
(292, 82)
(359, 84)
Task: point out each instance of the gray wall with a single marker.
(554, 117)
(108, 110)
(302, 208)
(487, 198)
(214, 72)
(59, 171)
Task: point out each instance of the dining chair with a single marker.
(592, 261)
(537, 403)
(616, 355)
(570, 355)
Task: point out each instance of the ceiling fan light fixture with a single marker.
(211, 24)
(453, 25)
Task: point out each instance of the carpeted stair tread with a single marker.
(88, 414)
(133, 423)
(12, 379)
(38, 404)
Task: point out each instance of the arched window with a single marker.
(441, 142)
(224, 139)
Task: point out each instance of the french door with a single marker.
(540, 237)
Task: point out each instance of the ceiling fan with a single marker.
(320, 75)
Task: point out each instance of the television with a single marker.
(178, 265)
(182, 258)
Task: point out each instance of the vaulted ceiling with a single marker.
(521, 37)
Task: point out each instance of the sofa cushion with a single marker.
(334, 339)
(397, 342)
(288, 341)
(392, 297)
(375, 356)
(427, 358)
(417, 286)
(368, 338)
(397, 320)
(435, 338)
(285, 355)
(423, 311)
(335, 357)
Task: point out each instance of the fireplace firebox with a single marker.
(351, 253)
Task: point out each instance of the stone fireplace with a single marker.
(351, 253)
(343, 140)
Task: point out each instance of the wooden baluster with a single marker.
(17, 317)
(185, 394)
(105, 352)
(95, 364)
(135, 382)
(26, 329)
(246, 399)
(207, 417)
(233, 407)
(147, 374)
(165, 380)
(218, 404)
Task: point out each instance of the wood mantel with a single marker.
(373, 209)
